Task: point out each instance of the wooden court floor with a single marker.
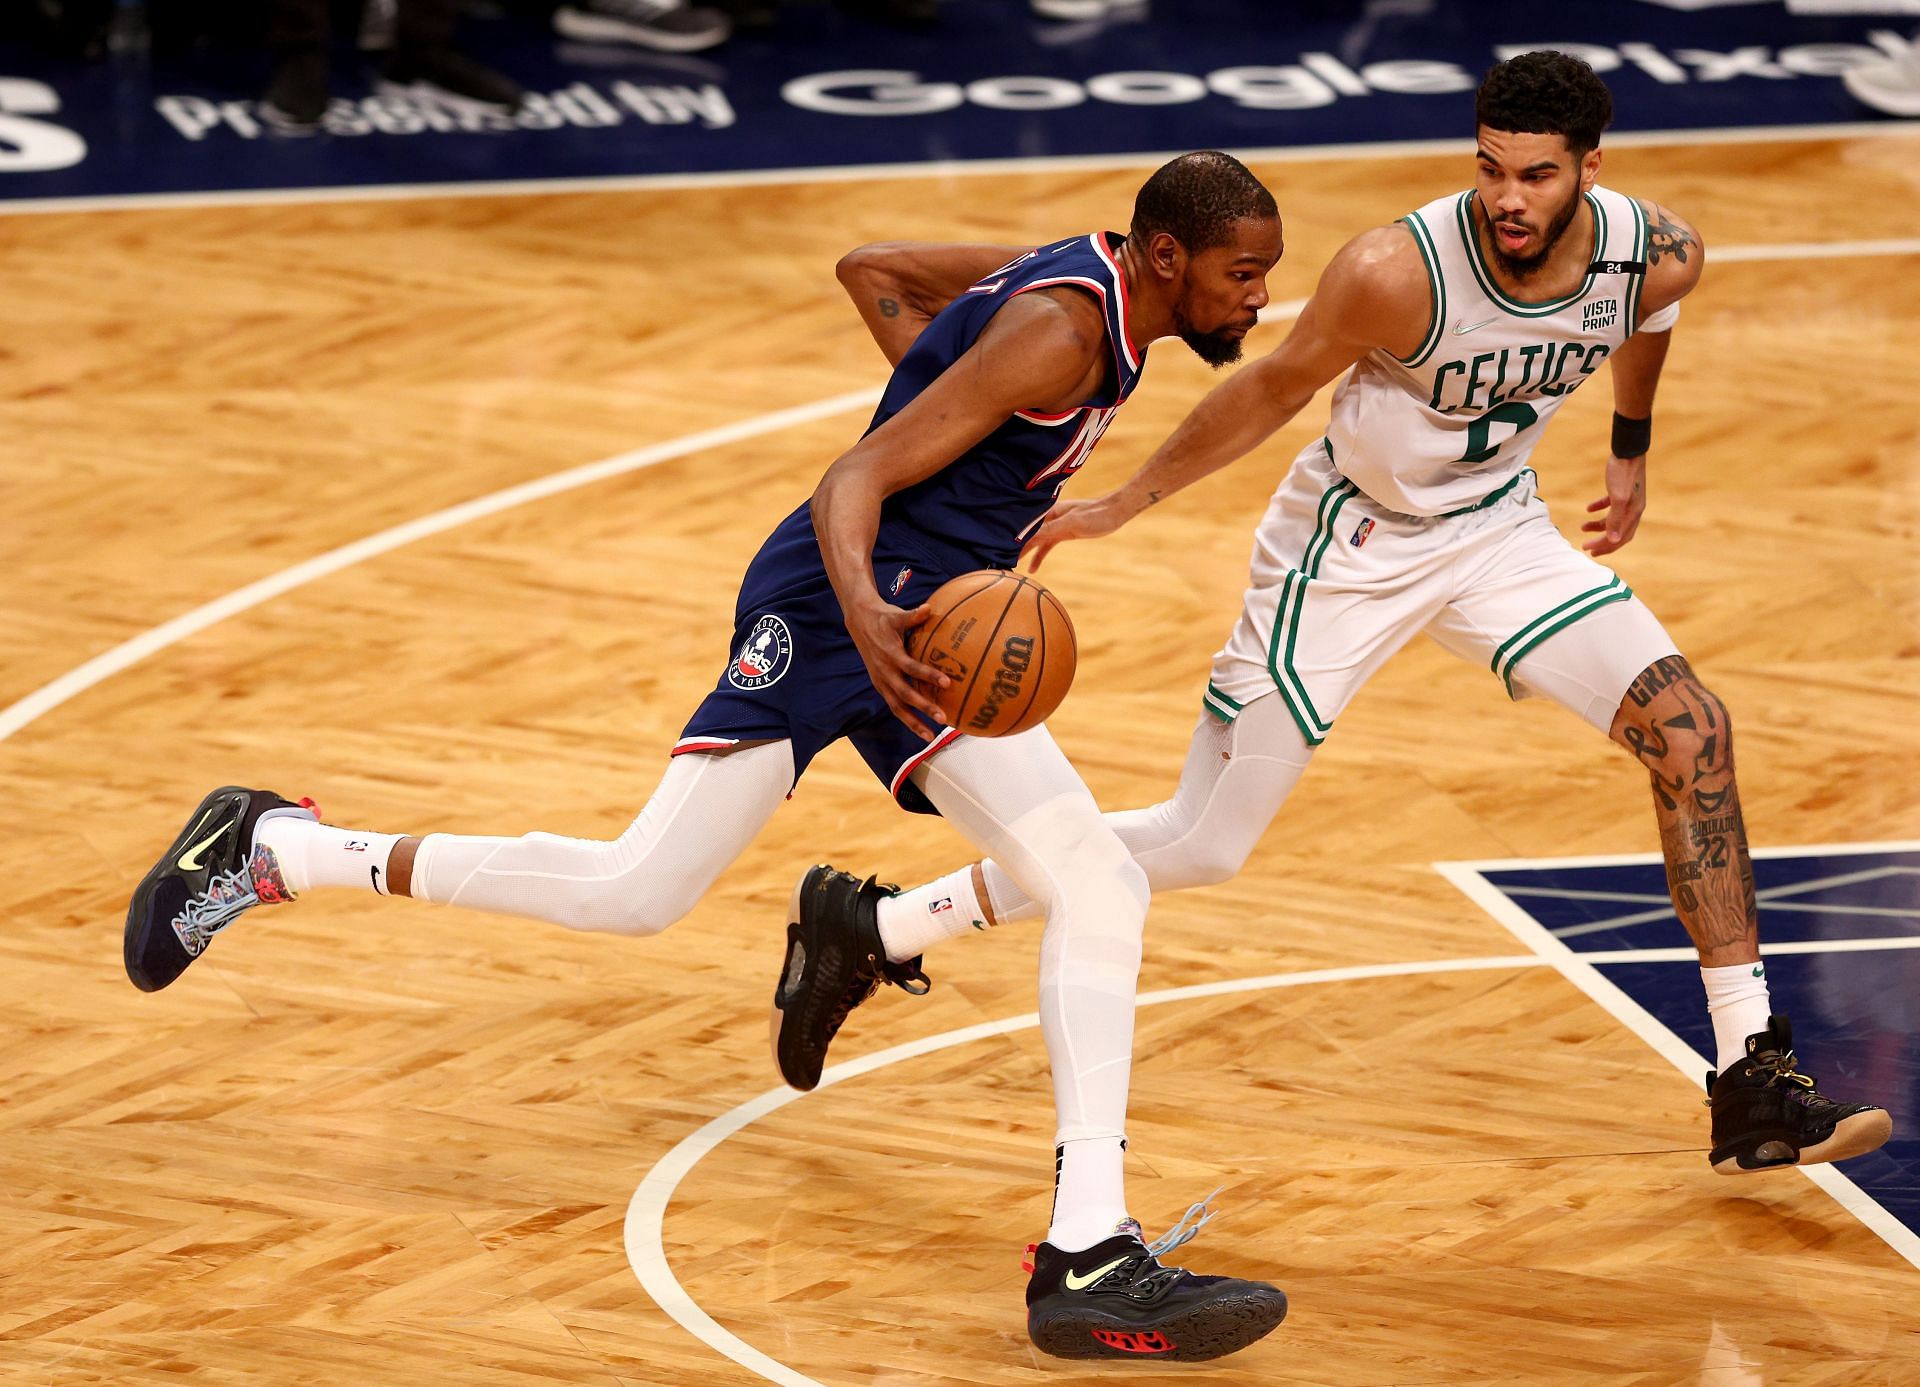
(372, 1141)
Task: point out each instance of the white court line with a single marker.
(647, 1210)
(1686, 953)
(130, 652)
(1637, 859)
(946, 168)
(1579, 970)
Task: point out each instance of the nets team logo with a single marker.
(764, 656)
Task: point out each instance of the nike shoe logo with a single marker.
(1076, 1282)
(1759, 970)
(1460, 329)
(194, 858)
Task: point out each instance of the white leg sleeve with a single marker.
(1236, 778)
(705, 812)
(1019, 799)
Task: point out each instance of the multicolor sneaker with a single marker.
(209, 877)
(1767, 1113)
(834, 962)
(1115, 1300)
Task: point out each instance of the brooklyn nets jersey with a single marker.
(1445, 429)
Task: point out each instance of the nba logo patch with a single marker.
(1360, 533)
(764, 656)
(900, 581)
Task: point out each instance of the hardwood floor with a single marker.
(384, 1142)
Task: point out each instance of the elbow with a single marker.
(861, 265)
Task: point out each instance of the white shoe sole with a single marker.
(593, 28)
(1852, 1136)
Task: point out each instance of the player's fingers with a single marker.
(914, 724)
(915, 698)
(1594, 525)
(1037, 549)
(1601, 504)
(921, 673)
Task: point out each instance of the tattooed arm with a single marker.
(899, 285)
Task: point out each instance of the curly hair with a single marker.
(1197, 198)
(1546, 92)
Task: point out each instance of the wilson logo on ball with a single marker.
(1016, 655)
(1006, 647)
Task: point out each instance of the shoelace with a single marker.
(226, 898)
(1198, 1215)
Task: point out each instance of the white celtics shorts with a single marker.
(1339, 584)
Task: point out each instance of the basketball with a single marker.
(1007, 645)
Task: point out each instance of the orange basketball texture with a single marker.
(1007, 645)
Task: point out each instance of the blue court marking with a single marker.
(1808, 898)
(1855, 1012)
(988, 82)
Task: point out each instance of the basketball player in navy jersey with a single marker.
(995, 401)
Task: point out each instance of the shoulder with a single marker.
(1377, 290)
(1057, 321)
(1676, 254)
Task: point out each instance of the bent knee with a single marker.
(1675, 725)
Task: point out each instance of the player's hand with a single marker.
(879, 632)
(1072, 520)
(1624, 503)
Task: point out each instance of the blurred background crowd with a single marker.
(413, 46)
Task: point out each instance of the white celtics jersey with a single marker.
(1446, 428)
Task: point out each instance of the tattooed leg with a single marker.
(1681, 732)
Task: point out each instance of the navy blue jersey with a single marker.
(794, 674)
(992, 496)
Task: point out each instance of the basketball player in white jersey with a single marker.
(1460, 329)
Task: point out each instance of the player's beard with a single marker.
(1217, 349)
(1521, 266)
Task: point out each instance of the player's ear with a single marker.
(1589, 170)
(1167, 256)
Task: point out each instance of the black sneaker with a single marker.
(296, 98)
(203, 883)
(834, 962)
(451, 79)
(1115, 1300)
(1767, 1113)
(667, 26)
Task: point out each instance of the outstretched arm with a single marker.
(899, 285)
(1374, 293)
(1675, 258)
(1042, 351)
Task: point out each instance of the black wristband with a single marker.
(1631, 437)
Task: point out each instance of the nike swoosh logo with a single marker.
(192, 860)
(1080, 1283)
(1459, 330)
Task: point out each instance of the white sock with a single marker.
(1737, 1002)
(914, 921)
(1089, 1192)
(313, 854)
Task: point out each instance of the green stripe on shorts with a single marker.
(1516, 646)
(1292, 602)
